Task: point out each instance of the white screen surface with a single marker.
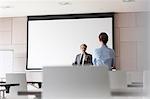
(57, 42)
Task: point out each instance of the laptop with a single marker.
(68, 82)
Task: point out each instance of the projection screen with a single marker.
(54, 40)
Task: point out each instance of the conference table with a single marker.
(30, 82)
(35, 82)
(2, 82)
(114, 93)
(7, 86)
(37, 94)
(134, 89)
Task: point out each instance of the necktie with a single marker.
(81, 59)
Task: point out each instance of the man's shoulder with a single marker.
(78, 55)
(88, 54)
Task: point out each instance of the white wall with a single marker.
(130, 41)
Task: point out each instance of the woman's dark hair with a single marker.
(103, 37)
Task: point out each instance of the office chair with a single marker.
(17, 78)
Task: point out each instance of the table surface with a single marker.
(37, 94)
(27, 82)
(114, 92)
(2, 82)
(9, 84)
(128, 92)
(29, 92)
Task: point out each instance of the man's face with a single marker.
(82, 48)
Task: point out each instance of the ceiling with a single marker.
(14, 8)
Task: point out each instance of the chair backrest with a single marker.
(118, 79)
(75, 82)
(134, 77)
(146, 82)
(17, 78)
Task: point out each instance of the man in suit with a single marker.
(83, 58)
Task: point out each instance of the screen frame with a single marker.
(68, 16)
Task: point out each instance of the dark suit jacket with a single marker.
(87, 59)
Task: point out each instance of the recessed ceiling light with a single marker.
(128, 0)
(64, 3)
